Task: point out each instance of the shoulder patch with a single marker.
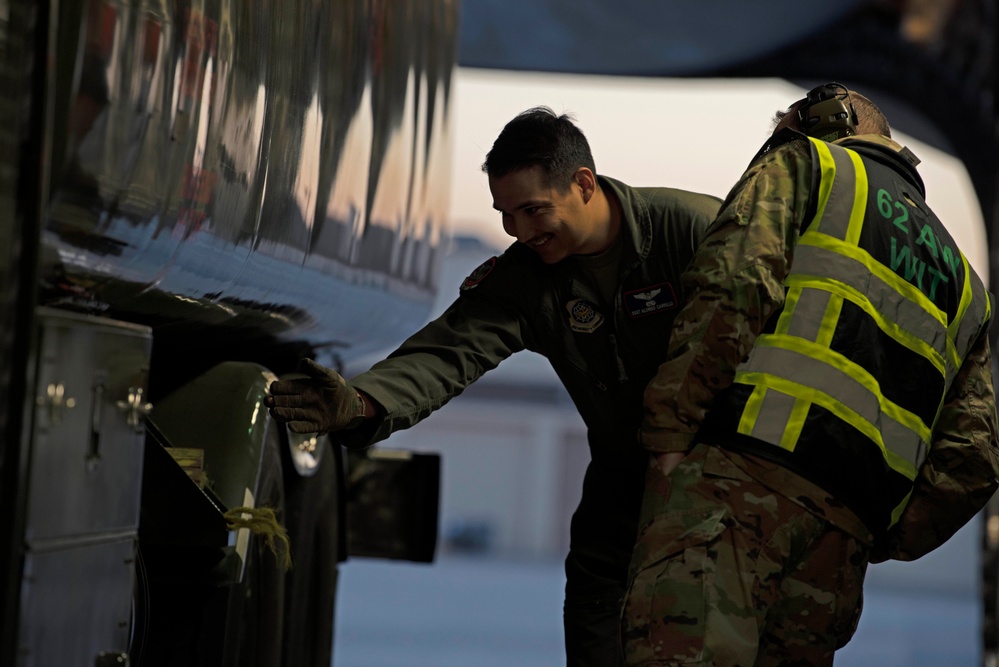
(478, 275)
(583, 316)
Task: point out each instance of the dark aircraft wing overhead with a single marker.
(635, 37)
(932, 65)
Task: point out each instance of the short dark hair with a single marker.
(870, 119)
(540, 137)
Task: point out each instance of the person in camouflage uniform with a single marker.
(592, 284)
(827, 402)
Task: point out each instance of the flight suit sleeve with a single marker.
(689, 216)
(477, 331)
(732, 286)
(960, 472)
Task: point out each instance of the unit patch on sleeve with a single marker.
(478, 275)
(583, 316)
(650, 300)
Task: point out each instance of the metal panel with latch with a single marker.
(83, 448)
(87, 428)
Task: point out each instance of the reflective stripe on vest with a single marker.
(965, 328)
(795, 367)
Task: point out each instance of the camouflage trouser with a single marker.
(725, 572)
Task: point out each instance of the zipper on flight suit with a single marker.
(622, 374)
(586, 373)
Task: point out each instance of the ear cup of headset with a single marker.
(827, 113)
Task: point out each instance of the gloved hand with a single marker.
(320, 403)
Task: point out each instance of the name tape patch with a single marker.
(650, 300)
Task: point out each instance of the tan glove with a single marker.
(320, 403)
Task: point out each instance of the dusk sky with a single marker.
(694, 134)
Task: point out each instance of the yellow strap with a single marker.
(752, 410)
(896, 462)
(896, 282)
(962, 309)
(896, 513)
(829, 320)
(856, 372)
(891, 329)
(858, 212)
(791, 297)
(795, 423)
(827, 168)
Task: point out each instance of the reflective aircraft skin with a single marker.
(267, 168)
(193, 195)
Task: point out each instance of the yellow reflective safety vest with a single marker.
(845, 383)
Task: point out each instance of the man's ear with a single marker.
(587, 182)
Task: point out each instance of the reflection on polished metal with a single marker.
(55, 401)
(205, 172)
(135, 409)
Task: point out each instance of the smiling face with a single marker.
(554, 224)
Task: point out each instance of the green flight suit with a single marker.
(604, 354)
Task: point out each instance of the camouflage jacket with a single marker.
(735, 283)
